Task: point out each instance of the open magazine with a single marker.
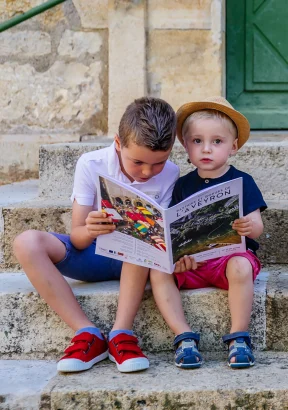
(148, 235)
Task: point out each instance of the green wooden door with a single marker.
(257, 61)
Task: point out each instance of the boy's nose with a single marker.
(206, 148)
(147, 171)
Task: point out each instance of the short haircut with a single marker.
(148, 122)
(210, 114)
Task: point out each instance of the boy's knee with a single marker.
(27, 241)
(239, 269)
(157, 277)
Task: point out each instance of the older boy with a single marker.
(137, 157)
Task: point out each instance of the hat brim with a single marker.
(241, 122)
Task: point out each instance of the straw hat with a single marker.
(219, 104)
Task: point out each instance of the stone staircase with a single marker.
(32, 337)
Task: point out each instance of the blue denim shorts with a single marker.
(85, 265)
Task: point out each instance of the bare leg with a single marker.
(240, 295)
(132, 286)
(168, 300)
(37, 252)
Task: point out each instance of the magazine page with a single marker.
(139, 237)
(201, 225)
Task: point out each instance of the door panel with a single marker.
(257, 61)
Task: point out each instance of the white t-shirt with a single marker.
(106, 161)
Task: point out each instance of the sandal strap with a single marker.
(186, 335)
(188, 353)
(241, 351)
(237, 335)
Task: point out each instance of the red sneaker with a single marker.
(85, 350)
(126, 353)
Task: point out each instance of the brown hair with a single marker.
(148, 122)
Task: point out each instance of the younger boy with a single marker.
(137, 157)
(211, 131)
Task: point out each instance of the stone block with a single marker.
(173, 61)
(127, 59)
(30, 329)
(57, 166)
(265, 161)
(93, 13)
(20, 154)
(22, 383)
(49, 19)
(75, 44)
(26, 43)
(182, 15)
(41, 215)
(274, 240)
(68, 96)
(277, 309)
(165, 387)
(34, 385)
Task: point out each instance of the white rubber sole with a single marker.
(131, 365)
(75, 365)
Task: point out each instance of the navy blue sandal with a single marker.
(187, 355)
(241, 349)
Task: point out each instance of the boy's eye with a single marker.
(138, 162)
(217, 141)
(196, 141)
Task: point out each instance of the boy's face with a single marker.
(209, 142)
(140, 163)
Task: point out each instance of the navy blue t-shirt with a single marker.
(252, 198)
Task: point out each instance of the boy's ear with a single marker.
(234, 147)
(117, 142)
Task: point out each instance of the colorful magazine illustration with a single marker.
(148, 235)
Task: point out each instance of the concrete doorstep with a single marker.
(34, 385)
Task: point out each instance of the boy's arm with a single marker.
(250, 225)
(88, 225)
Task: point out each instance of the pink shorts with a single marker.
(213, 273)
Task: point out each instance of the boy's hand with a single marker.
(243, 226)
(185, 263)
(98, 223)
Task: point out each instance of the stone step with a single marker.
(42, 214)
(29, 329)
(55, 216)
(265, 160)
(33, 385)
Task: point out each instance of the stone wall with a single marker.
(69, 73)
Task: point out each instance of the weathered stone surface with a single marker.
(20, 154)
(39, 215)
(49, 19)
(274, 240)
(74, 44)
(93, 14)
(18, 192)
(29, 328)
(267, 162)
(55, 216)
(27, 43)
(164, 387)
(183, 14)
(57, 166)
(173, 61)
(22, 383)
(277, 309)
(55, 100)
(161, 387)
(127, 59)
